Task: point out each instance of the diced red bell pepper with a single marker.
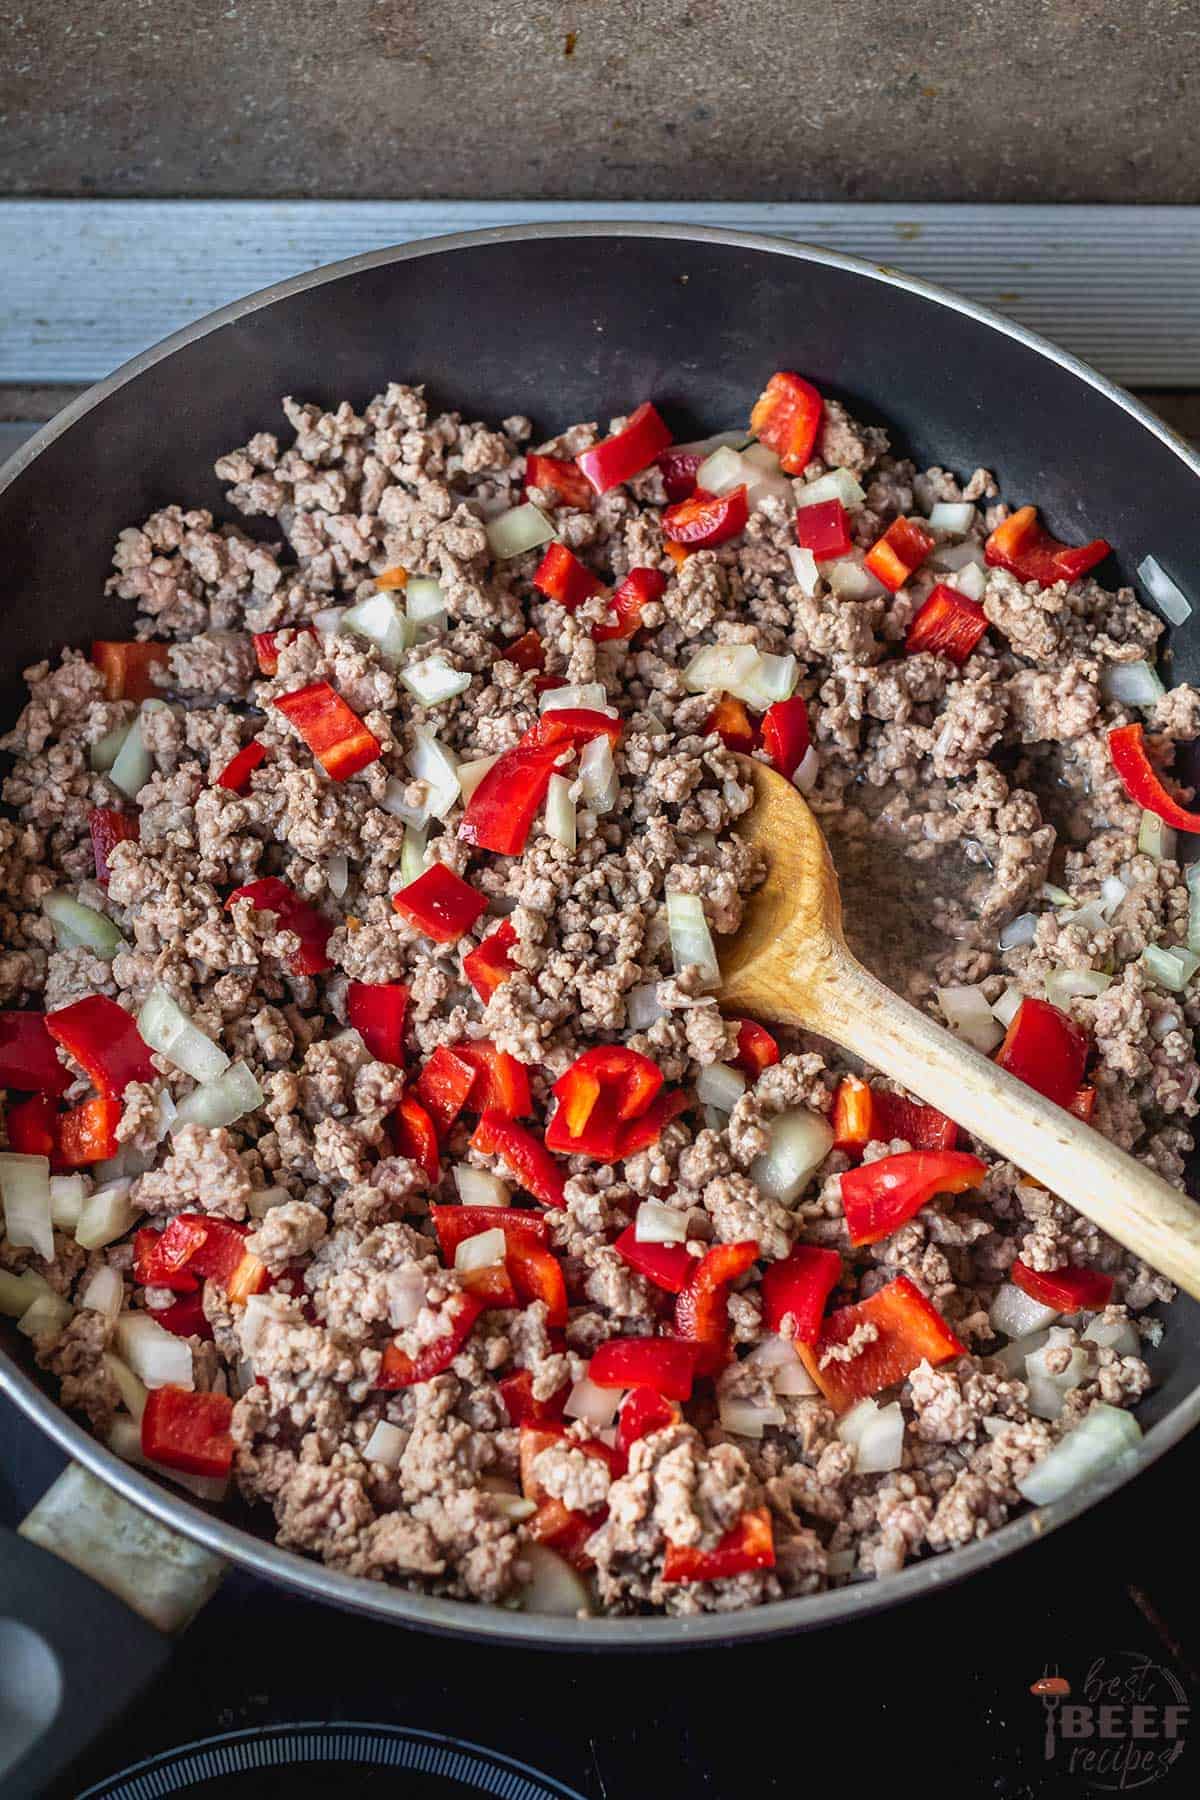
(797, 1288)
(756, 1048)
(162, 1258)
(236, 774)
(908, 1331)
(266, 645)
(1127, 748)
(1026, 549)
(442, 1087)
(706, 520)
(108, 828)
(864, 1115)
(188, 1431)
(489, 963)
(732, 724)
(668, 1365)
(516, 1391)
(642, 1412)
(400, 1370)
(28, 1059)
(1083, 1105)
(948, 623)
(562, 480)
(702, 1309)
(1068, 1289)
(824, 528)
(528, 1162)
(679, 468)
(393, 580)
(501, 1083)
(500, 813)
(536, 1438)
(186, 1318)
(749, 1545)
(1045, 1049)
(639, 588)
(294, 914)
(416, 1135)
(528, 652)
(333, 731)
(573, 725)
(638, 1134)
(562, 577)
(377, 1012)
(785, 734)
(787, 418)
(537, 1274)
(88, 1133)
(668, 1266)
(881, 1196)
(103, 1039)
(899, 553)
(493, 1285)
(129, 668)
(603, 1089)
(620, 457)
(33, 1126)
(453, 1224)
(565, 1532)
(440, 903)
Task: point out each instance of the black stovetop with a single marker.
(934, 1696)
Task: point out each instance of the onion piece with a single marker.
(852, 580)
(1131, 684)
(220, 1102)
(747, 1420)
(955, 516)
(337, 873)
(1019, 932)
(1055, 895)
(155, 1355)
(106, 1215)
(81, 927)
(425, 605)
(395, 800)
(875, 1434)
(1113, 894)
(970, 580)
(798, 1141)
(952, 559)
(1065, 985)
(807, 772)
(18, 1292)
(385, 1445)
(1016, 1314)
(1007, 1006)
(774, 679)
(757, 469)
(560, 812)
(789, 1376)
(483, 1251)
(165, 1027)
(66, 1200)
(133, 765)
(1192, 876)
(969, 1016)
(412, 852)
(641, 1006)
(329, 619)
(435, 765)
(1103, 1438)
(25, 1194)
(104, 752)
(1157, 840)
(720, 1085)
(479, 1187)
(47, 1315)
(658, 1224)
(519, 529)
(591, 696)
(838, 484)
(598, 782)
(433, 681)
(259, 1312)
(1118, 1335)
(804, 568)
(1091, 915)
(406, 1297)
(1047, 1391)
(553, 1586)
(470, 774)
(721, 472)
(691, 939)
(104, 1293)
(597, 1405)
(132, 1391)
(1171, 969)
(720, 668)
(1170, 599)
(381, 622)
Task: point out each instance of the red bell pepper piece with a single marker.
(948, 623)
(628, 1083)
(333, 731)
(33, 1127)
(565, 1532)
(266, 645)
(787, 418)
(377, 1011)
(620, 457)
(562, 480)
(1026, 549)
(864, 1115)
(527, 652)
(188, 1431)
(538, 1275)
(642, 1412)
(493, 1285)
(824, 528)
(562, 577)
(489, 964)
(536, 1438)
(501, 1083)
(909, 1330)
(442, 1087)
(749, 1545)
(109, 827)
(393, 580)
(88, 1133)
(440, 903)
(529, 1163)
(679, 468)
(573, 725)
(295, 915)
(668, 1266)
(1045, 1049)
(1083, 1105)
(706, 520)
(400, 1370)
(162, 1258)
(28, 1059)
(1067, 1290)
(638, 589)
(128, 668)
(1127, 748)
(881, 1196)
(899, 553)
(702, 1309)
(500, 813)
(516, 1391)
(756, 1048)
(416, 1135)
(668, 1365)
(797, 1288)
(785, 734)
(104, 1041)
(236, 774)
(732, 724)
(638, 1134)
(186, 1318)
(453, 1224)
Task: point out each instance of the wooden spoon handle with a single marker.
(1112, 1189)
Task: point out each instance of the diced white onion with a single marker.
(385, 1445)
(1113, 894)
(721, 668)
(1047, 1391)
(155, 1355)
(657, 1224)
(757, 469)
(852, 580)
(721, 472)
(104, 1293)
(379, 619)
(1008, 1005)
(1171, 969)
(1118, 1335)
(18, 1292)
(968, 1015)
(1065, 985)
(591, 696)
(483, 1251)
(553, 1587)
(807, 771)
(66, 1200)
(1166, 1022)
(165, 1027)
(804, 568)
(597, 1405)
(838, 484)
(329, 619)
(798, 1141)
(1017, 1314)
(134, 765)
(1055, 895)
(479, 1187)
(747, 1420)
(1091, 915)
(133, 1392)
(433, 680)
(1170, 599)
(103, 753)
(25, 1190)
(337, 873)
(504, 1500)
(127, 1162)
(395, 800)
(774, 679)
(435, 765)
(953, 559)
(1103, 1437)
(720, 1085)
(48, 1314)
(876, 1435)
(1012, 1357)
(1192, 876)
(81, 927)
(955, 516)
(970, 580)
(412, 852)
(259, 1312)
(789, 1376)
(106, 1215)
(560, 812)
(1019, 932)
(691, 939)
(641, 1006)
(1156, 839)
(1131, 684)
(521, 528)
(406, 1297)
(425, 604)
(470, 774)
(220, 1102)
(598, 775)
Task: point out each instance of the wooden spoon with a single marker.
(789, 962)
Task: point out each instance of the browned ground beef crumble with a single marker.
(996, 771)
